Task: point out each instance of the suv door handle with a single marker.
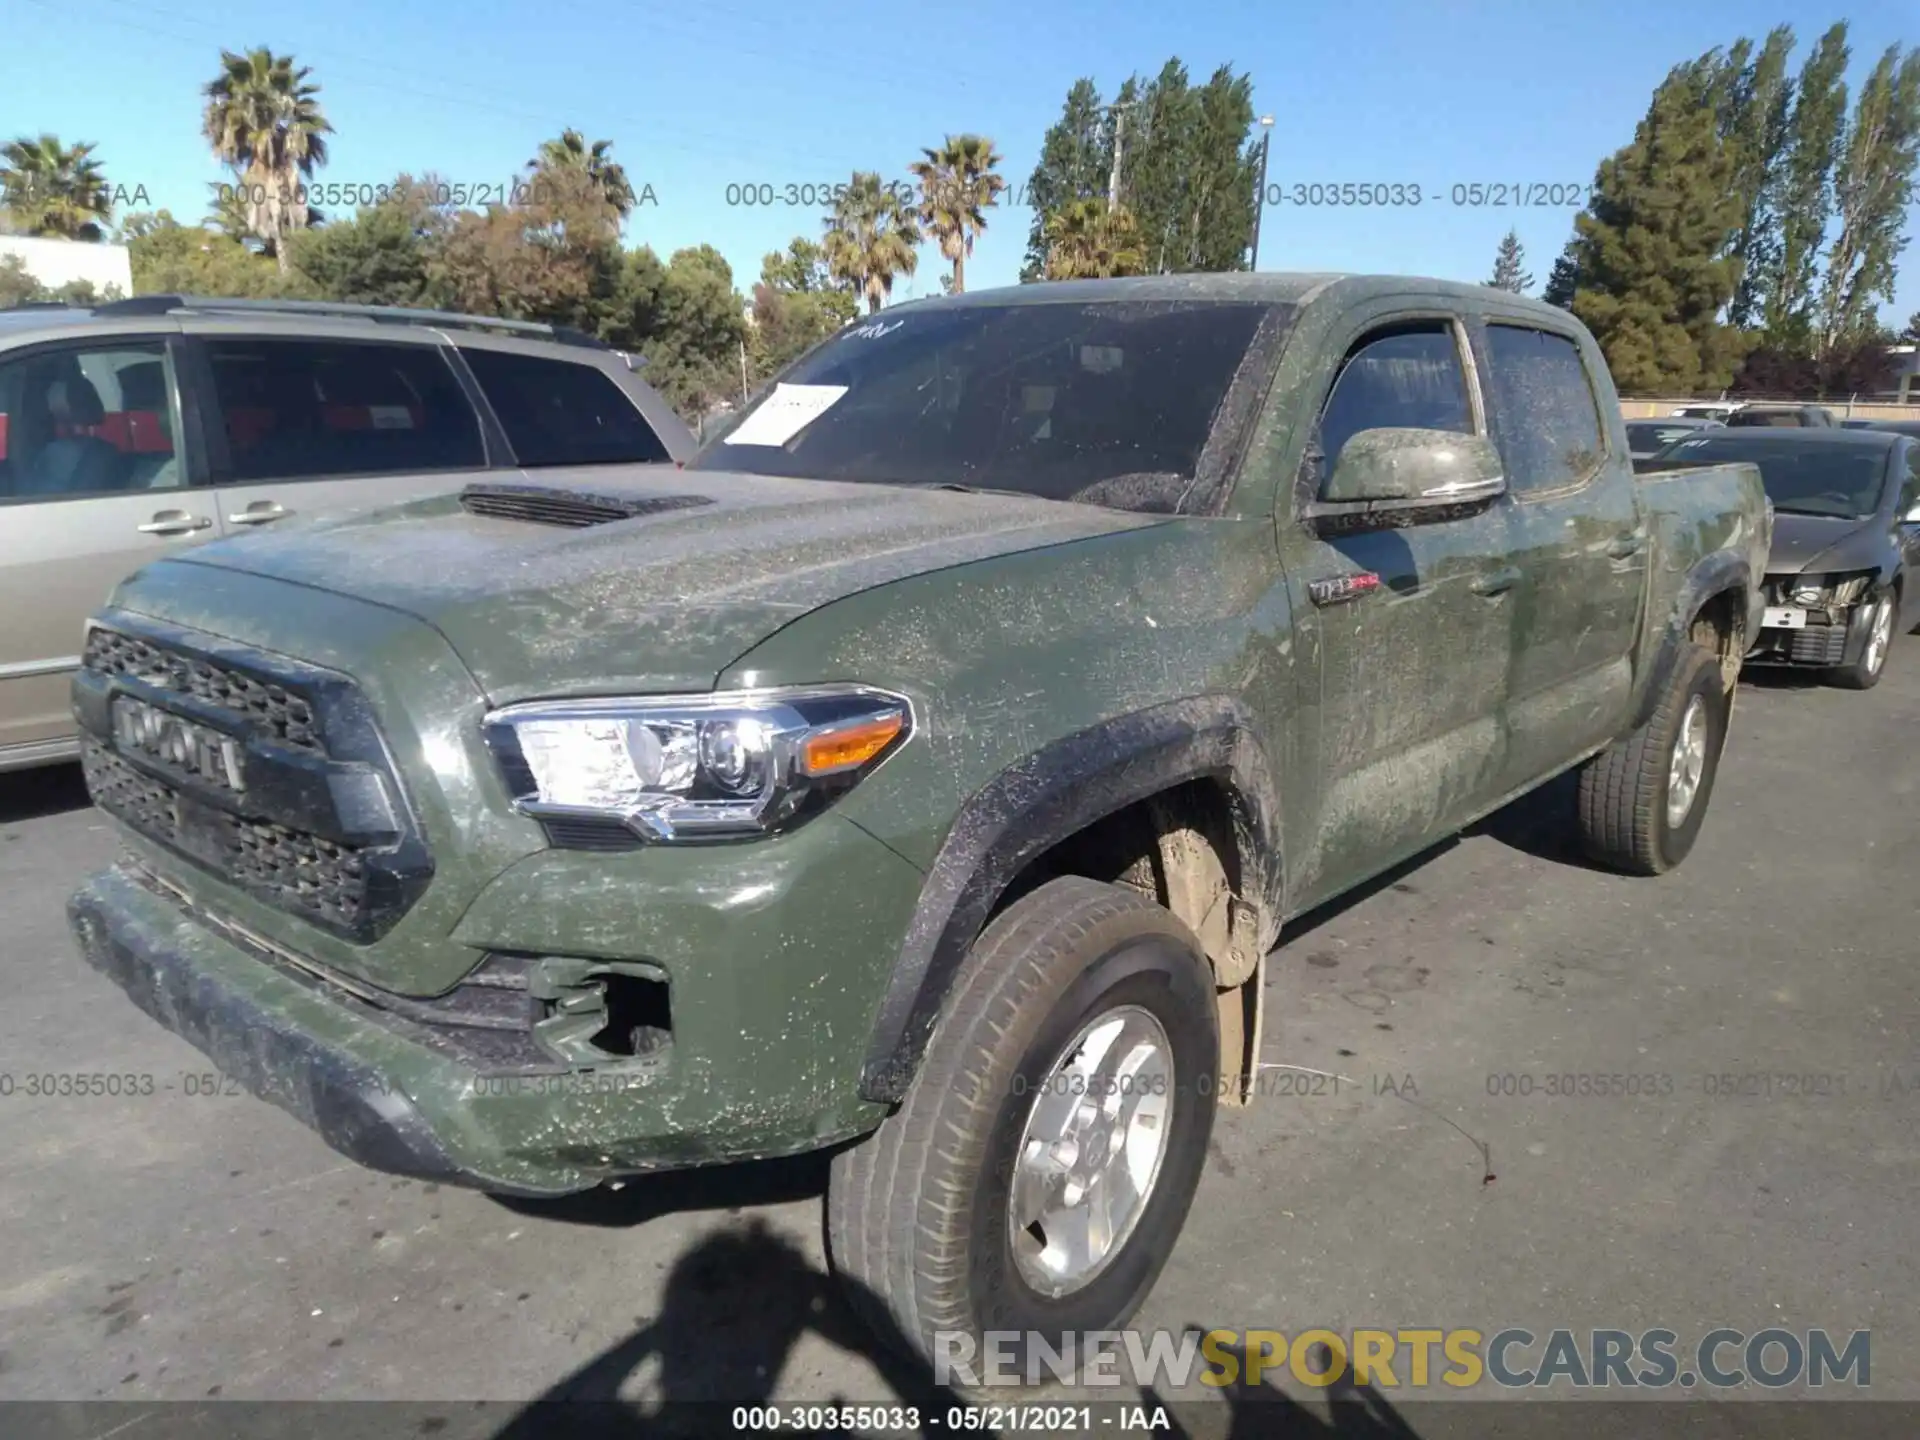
(1496, 582)
(1625, 546)
(174, 522)
(258, 514)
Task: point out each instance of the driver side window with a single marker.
(1404, 375)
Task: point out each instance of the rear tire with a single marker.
(1882, 621)
(918, 1214)
(1643, 799)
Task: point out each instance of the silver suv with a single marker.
(134, 428)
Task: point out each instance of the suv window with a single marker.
(1410, 376)
(301, 408)
(1550, 431)
(87, 422)
(556, 412)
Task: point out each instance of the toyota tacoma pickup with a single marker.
(922, 771)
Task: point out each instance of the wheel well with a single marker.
(1720, 625)
(1180, 848)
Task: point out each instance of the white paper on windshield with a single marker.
(785, 413)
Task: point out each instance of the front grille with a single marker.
(1819, 645)
(308, 874)
(266, 771)
(287, 718)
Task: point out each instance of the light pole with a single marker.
(1260, 195)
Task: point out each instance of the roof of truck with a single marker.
(1273, 287)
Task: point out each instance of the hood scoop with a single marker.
(572, 509)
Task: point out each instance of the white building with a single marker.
(59, 262)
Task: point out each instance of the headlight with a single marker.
(1809, 590)
(689, 767)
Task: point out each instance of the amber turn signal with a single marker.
(847, 746)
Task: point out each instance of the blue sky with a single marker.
(699, 97)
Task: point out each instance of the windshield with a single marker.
(1843, 481)
(1110, 403)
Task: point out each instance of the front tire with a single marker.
(1644, 798)
(1037, 1174)
(1865, 672)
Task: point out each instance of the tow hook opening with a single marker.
(597, 1012)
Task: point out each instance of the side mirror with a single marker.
(1405, 469)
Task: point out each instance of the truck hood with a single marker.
(1818, 544)
(659, 602)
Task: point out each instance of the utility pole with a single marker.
(1260, 195)
(1119, 149)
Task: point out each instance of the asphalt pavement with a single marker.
(190, 1246)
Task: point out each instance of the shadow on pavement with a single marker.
(732, 1187)
(1259, 1411)
(45, 790)
(735, 1307)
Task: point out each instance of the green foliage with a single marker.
(54, 190)
(1510, 266)
(1872, 186)
(694, 354)
(383, 256)
(1805, 190)
(19, 287)
(1086, 241)
(796, 305)
(170, 258)
(1564, 279)
(1188, 171)
(1752, 109)
(1910, 335)
(958, 184)
(872, 238)
(1653, 253)
(1073, 165)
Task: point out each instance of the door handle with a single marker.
(1496, 582)
(1625, 546)
(174, 524)
(257, 514)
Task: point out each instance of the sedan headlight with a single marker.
(1828, 590)
(1850, 588)
(691, 767)
(1808, 590)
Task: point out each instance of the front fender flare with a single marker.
(1712, 575)
(1033, 805)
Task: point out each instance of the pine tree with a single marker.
(1510, 266)
(1653, 253)
(1073, 165)
(1564, 280)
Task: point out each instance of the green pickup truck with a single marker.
(923, 770)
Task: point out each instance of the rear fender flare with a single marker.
(1712, 576)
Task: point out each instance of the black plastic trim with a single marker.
(351, 1107)
(1712, 576)
(1032, 806)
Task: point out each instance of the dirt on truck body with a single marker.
(938, 753)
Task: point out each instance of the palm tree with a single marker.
(1087, 241)
(52, 189)
(572, 152)
(871, 237)
(263, 119)
(957, 184)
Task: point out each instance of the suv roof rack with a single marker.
(379, 314)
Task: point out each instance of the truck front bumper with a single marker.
(747, 1075)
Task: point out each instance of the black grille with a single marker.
(539, 505)
(308, 874)
(286, 718)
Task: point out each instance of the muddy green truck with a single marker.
(922, 771)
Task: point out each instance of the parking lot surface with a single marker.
(186, 1245)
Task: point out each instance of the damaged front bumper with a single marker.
(1829, 636)
(761, 1058)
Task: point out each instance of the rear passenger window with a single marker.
(559, 413)
(1549, 426)
(1409, 376)
(306, 408)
